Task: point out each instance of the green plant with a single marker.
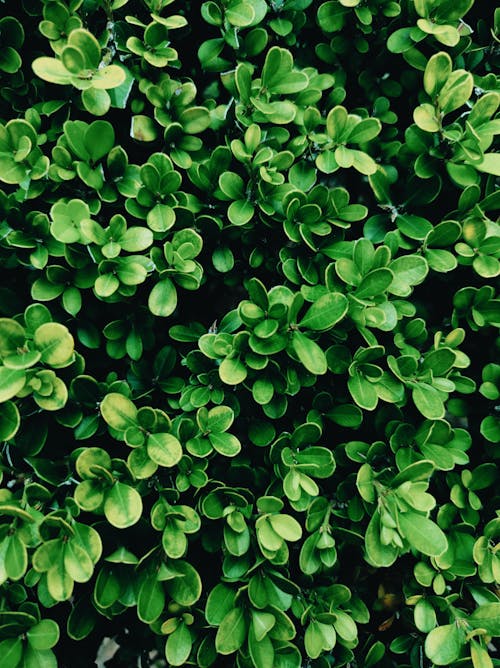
(249, 385)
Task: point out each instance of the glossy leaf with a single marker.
(309, 353)
(163, 298)
(164, 449)
(232, 632)
(423, 534)
(443, 644)
(118, 411)
(326, 312)
(122, 506)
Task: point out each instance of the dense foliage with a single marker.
(248, 333)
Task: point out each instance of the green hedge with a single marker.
(249, 387)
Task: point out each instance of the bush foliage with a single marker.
(249, 397)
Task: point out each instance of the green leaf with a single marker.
(223, 259)
(319, 637)
(328, 16)
(267, 537)
(444, 644)
(136, 239)
(99, 139)
(178, 645)
(194, 120)
(439, 361)
(336, 123)
(123, 506)
(89, 458)
(240, 14)
(452, 10)
(107, 77)
(436, 73)
(428, 400)
(86, 42)
(143, 128)
(418, 471)
(365, 131)
(490, 428)
(72, 300)
(82, 620)
(151, 600)
(490, 164)
(10, 60)
(12, 337)
(487, 267)
(34, 658)
(440, 260)
(118, 411)
(362, 391)
(186, 587)
(378, 554)
(425, 117)
(422, 533)
(164, 449)
(55, 344)
(456, 91)
(286, 527)
(408, 270)
(232, 185)
(414, 227)
(345, 626)
(119, 95)
(225, 444)
(96, 101)
(107, 588)
(277, 74)
(262, 623)
(232, 371)
(445, 34)
(130, 272)
(375, 283)
(364, 483)
(487, 617)
(220, 419)
(43, 635)
(106, 285)
(325, 312)
(309, 353)
(59, 583)
(261, 650)
(424, 615)
(240, 212)
(480, 655)
(11, 650)
(54, 398)
(10, 420)
(326, 162)
(232, 632)
(309, 560)
(161, 218)
(16, 557)
(52, 70)
(12, 381)
(220, 601)
(162, 299)
(363, 162)
(375, 654)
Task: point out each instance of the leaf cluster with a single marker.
(249, 379)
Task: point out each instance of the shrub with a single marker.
(249, 323)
